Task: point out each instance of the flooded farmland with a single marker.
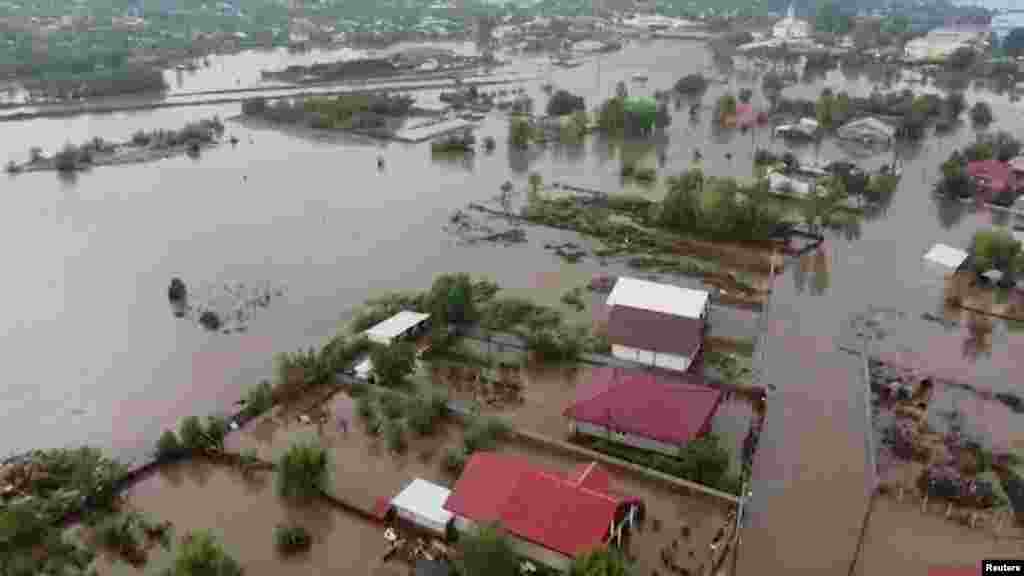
(94, 354)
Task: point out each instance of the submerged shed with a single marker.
(946, 257)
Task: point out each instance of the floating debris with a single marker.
(471, 230)
(570, 251)
(177, 292)
(227, 308)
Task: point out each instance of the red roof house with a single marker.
(551, 517)
(992, 177)
(644, 409)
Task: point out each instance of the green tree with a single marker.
(487, 552)
(600, 562)
(955, 104)
(193, 437)
(705, 460)
(168, 445)
(981, 114)
(201, 555)
(452, 299)
(302, 473)
(963, 58)
(391, 364)
(564, 102)
(520, 132)
(725, 107)
(994, 249)
(535, 181)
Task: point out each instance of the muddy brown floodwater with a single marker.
(94, 355)
(242, 514)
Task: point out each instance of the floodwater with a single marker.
(95, 355)
(242, 514)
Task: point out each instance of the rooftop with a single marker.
(654, 331)
(663, 298)
(395, 326)
(671, 410)
(425, 499)
(946, 256)
(570, 514)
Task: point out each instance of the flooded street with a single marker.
(95, 355)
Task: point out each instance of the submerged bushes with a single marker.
(291, 539)
(302, 472)
(200, 553)
(704, 461)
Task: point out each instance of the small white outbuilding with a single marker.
(945, 257)
(422, 504)
(402, 324)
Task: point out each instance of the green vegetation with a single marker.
(520, 132)
(291, 539)
(393, 364)
(200, 553)
(194, 438)
(712, 208)
(833, 110)
(454, 460)
(302, 473)
(426, 411)
(484, 434)
(459, 142)
(48, 485)
(704, 461)
(394, 436)
(363, 112)
(956, 183)
(486, 550)
(691, 84)
(997, 249)
(981, 114)
(725, 108)
(168, 446)
(563, 103)
(258, 399)
(574, 298)
(600, 562)
(126, 534)
(393, 404)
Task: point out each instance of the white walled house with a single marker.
(656, 324)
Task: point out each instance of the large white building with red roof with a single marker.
(645, 410)
(550, 517)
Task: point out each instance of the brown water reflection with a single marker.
(242, 513)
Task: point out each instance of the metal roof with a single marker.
(395, 326)
(664, 298)
(946, 256)
(424, 499)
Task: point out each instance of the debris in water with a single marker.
(177, 292)
(210, 320)
(569, 251)
(470, 230)
(228, 308)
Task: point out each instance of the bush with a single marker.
(193, 438)
(563, 103)
(216, 431)
(485, 433)
(746, 94)
(291, 539)
(168, 446)
(490, 143)
(426, 411)
(200, 554)
(365, 407)
(302, 473)
(981, 114)
(520, 132)
(67, 159)
(393, 404)
(691, 84)
(258, 399)
(392, 364)
(119, 533)
(394, 435)
(454, 460)
(703, 461)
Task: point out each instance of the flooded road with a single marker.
(94, 354)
